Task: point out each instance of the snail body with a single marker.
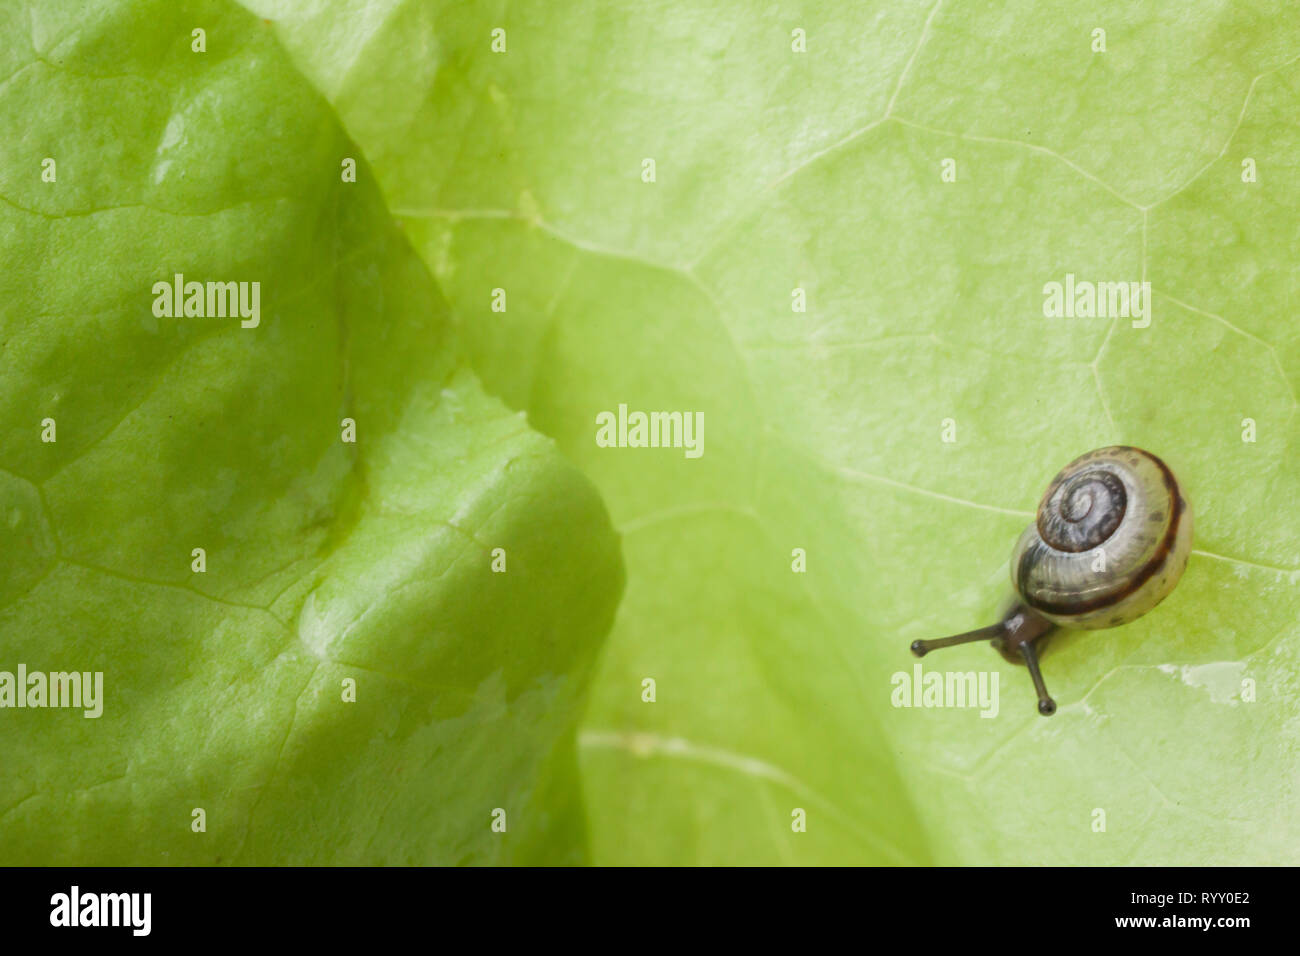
(1110, 541)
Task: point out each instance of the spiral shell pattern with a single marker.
(1111, 539)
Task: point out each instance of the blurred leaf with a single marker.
(326, 561)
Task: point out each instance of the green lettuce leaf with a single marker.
(823, 171)
(333, 569)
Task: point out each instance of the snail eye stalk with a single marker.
(921, 648)
(1046, 706)
(1014, 637)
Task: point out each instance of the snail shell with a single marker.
(1111, 539)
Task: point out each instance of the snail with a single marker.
(1110, 541)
